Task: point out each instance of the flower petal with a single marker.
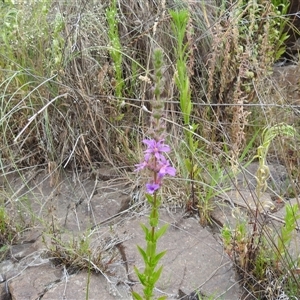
(141, 165)
(165, 168)
(152, 187)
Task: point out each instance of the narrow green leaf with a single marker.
(195, 168)
(156, 275)
(119, 117)
(149, 198)
(194, 128)
(146, 230)
(136, 296)
(141, 276)
(158, 202)
(148, 292)
(143, 254)
(159, 256)
(160, 232)
(188, 164)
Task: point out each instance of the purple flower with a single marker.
(151, 188)
(165, 168)
(155, 148)
(155, 161)
(141, 165)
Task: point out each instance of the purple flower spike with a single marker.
(165, 168)
(155, 161)
(155, 148)
(151, 188)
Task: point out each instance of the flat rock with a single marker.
(224, 214)
(33, 282)
(194, 259)
(245, 178)
(249, 200)
(77, 286)
(4, 293)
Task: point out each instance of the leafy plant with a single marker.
(57, 44)
(252, 247)
(180, 23)
(9, 231)
(210, 188)
(24, 40)
(180, 19)
(83, 251)
(285, 236)
(115, 48)
(155, 162)
(247, 41)
(268, 134)
(280, 21)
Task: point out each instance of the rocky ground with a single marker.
(69, 211)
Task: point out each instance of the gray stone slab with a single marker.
(76, 287)
(249, 200)
(245, 178)
(194, 259)
(32, 282)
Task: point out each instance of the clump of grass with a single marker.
(211, 187)
(180, 21)
(263, 263)
(201, 195)
(115, 48)
(9, 232)
(286, 233)
(264, 271)
(268, 135)
(62, 50)
(244, 47)
(30, 60)
(79, 253)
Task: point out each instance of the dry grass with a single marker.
(59, 109)
(222, 72)
(84, 84)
